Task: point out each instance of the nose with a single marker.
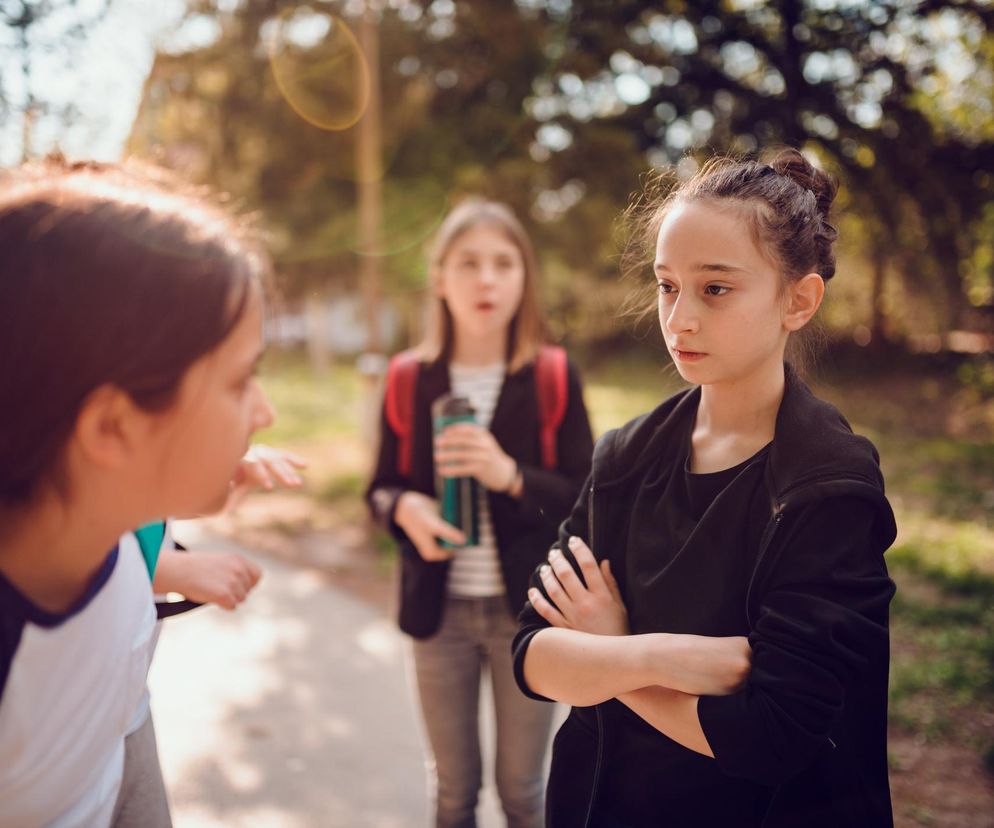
(683, 316)
(488, 274)
(263, 414)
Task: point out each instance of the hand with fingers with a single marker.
(591, 605)
(221, 578)
(418, 515)
(694, 664)
(470, 450)
(705, 665)
(264, 467)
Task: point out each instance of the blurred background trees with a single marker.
(559, 107)
(39, 39)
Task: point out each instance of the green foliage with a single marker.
(977, 374)
(558, 108)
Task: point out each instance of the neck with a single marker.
(479, 349)
(51, 550)
(747, 407)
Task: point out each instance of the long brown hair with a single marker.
(528, 329)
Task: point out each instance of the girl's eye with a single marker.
(665, 288)
(716, 290)
(242, 385)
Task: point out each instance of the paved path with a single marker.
(293, 711)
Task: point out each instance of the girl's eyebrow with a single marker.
(706, 267)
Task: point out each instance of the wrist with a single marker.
(656, 655)
(400, 508)
(512, 478)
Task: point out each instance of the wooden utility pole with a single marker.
(369, 169)
(369, 162)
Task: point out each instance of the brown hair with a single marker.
(787, 201)
(528, 330)
(109, 275)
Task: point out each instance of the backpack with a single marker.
(551, 387)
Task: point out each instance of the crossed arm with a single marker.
(588, 655)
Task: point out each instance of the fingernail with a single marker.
(545, 570)
(574, 542)
(553, 553)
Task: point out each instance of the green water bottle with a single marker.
(456, 494)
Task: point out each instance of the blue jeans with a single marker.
(477, 633)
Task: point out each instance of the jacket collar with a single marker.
(812, 441)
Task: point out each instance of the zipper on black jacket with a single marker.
(597, 708)
(597, 767)
(590, 516)
(764, 545)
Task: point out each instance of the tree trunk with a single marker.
(878, 335)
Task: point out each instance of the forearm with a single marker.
(672, 713)
(171, 572)
(582, 669)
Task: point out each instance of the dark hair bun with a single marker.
(791, 164)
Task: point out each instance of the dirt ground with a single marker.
(934, 784)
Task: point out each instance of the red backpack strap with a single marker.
(552, 387)
(402, 378)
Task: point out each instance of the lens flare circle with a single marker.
(319, 68)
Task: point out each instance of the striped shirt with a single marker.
(475, 570)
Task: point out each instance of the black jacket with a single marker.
(524, 528)
(806, 737)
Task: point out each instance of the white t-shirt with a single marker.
(69, 688)
(475, 570)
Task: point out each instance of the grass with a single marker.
(940, 482)
(310, 408)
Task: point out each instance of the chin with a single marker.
(690, 373)
(205, 507)
(217, 504)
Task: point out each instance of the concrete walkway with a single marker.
(294, 711)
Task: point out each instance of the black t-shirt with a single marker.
(688, 575)
(672, 550)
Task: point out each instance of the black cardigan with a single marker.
(810, 724)
(524, 528)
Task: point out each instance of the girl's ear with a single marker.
(803, 300)
(109, 428)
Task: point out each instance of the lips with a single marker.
(686, 355)
(485, 306)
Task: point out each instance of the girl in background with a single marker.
(131, 328)
(459, 604)
(742, 518)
